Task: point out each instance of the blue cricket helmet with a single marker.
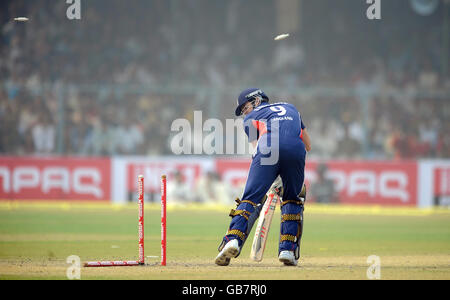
(249, 95)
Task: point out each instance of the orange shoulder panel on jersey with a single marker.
(260, 126)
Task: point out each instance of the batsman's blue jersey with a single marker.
(284, 116)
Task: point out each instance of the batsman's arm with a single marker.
(306, 139)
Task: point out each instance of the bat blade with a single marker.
(263, 227)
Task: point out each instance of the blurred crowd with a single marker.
(218, 45)
(209, 187)
(138, 126)
(404, 128)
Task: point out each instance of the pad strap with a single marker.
(284, 202)
(248, 201)
(288, 237)
(239, 233)
(239, 212)
(291, 217)
(238, 202)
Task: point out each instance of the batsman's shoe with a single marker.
(229, 251)
(288, 258)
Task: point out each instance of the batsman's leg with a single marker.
(292, 206)
(291, 232)
(259, 180)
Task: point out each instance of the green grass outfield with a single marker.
(36, 239)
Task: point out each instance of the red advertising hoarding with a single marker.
(51, 178)
(356, 182)
(442, 181)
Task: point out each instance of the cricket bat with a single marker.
(262, 229)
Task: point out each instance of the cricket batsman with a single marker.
(281, 141)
